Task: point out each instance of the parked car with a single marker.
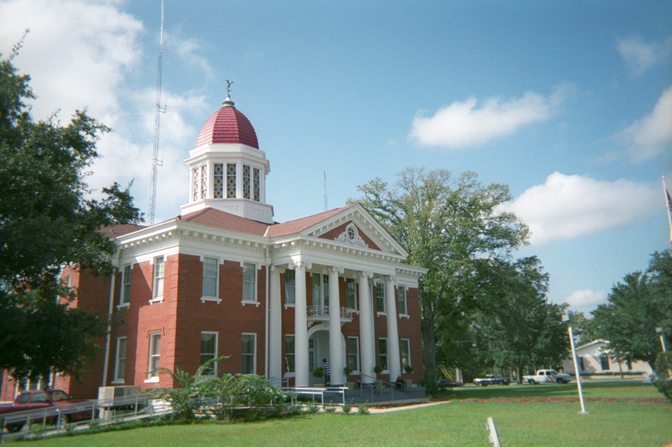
(38, 399)
(547, 376)
(492, 379)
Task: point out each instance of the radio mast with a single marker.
(326, 203)
(157, 121)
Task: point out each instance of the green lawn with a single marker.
(460, 422)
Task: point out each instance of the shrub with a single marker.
(191, 394)
(431, 387)
(234, 391)
(362, 409)
(222, 397)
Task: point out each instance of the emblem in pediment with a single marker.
(351, 236)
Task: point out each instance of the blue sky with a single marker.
(569, 103)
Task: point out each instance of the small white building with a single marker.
(594, 358)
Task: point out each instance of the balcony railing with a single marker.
(322, 313)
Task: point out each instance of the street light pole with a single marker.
(659, 331)
(576, 365)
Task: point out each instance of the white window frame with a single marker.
(354, 292)
(158, 281)
(125, 295)
(356, 354)
(120, 356)
(386, 355)
(154, 358)
(380, 298)
(205, 297)
(325, 291)
(254, 301)
(254, 353)
(289, 373)
(322, 289)
(212, 354)
(317, 289)
(290, 287)
(407, 342)
(247, 191)
(405, 300)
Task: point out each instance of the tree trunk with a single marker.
(429, 345)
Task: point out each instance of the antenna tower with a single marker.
(326, 203)
(157, 120)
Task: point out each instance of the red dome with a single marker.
(228, 125)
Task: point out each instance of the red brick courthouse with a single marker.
(223, 279)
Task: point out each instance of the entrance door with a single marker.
(318, 346)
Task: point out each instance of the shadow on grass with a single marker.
(590, 389)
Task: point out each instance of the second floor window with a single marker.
(126, 285)
(401, 290)
(210, 275)
(290, 284)
(158, 278)
(350, 297)
(249, 282)
(380, 297)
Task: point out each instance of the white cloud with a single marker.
(463, 124)
(648, 137)
(586, 300)
(83, 54)
(640, 56)
(187, 49)
(77, 53)
(569, 206)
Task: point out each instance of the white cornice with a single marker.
(190, 237)
(327, 246)
(229, 152)
(189, 231)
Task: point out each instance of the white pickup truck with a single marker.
(547, 376)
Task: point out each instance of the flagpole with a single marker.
(668, 205)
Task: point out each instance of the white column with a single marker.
(335, 337)
(275, 326)
(366, 339)
(301, 327)
(239, 181)
(393, 351)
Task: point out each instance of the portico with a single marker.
(330, 287)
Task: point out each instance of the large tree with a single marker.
(518, 327)
(47, 221)
(454, 228)
(637, 306)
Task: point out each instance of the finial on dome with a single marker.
(228, 102)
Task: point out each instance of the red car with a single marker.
(39, 399)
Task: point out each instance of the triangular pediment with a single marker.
(355, 226)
